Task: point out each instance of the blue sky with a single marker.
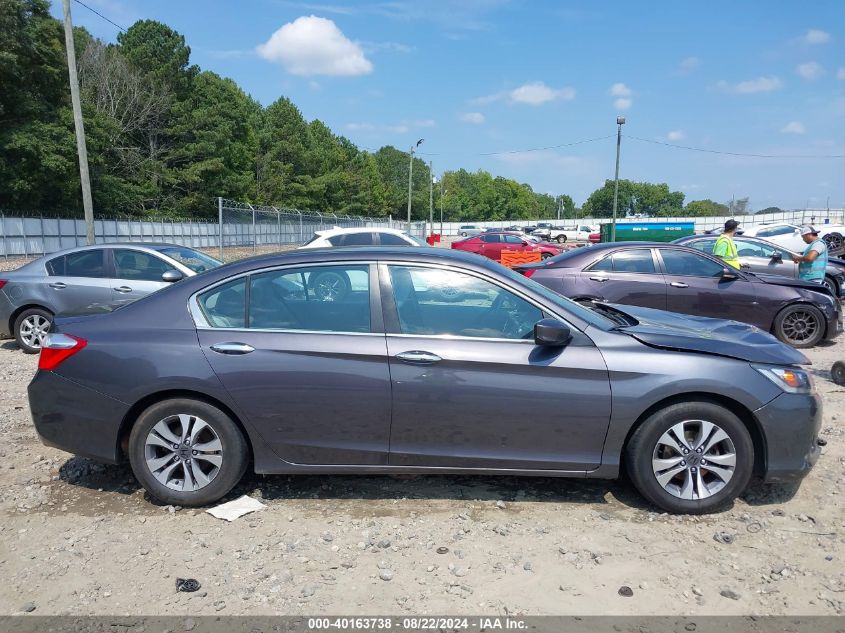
(477, 77)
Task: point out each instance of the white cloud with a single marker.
(793, 127)
(475, 118)
(676, 135)
(751, 86)
(816, 36)
(622, 103)
(537, 93)
(397, 128)
(810, 70)
(840, 74)
(620, 90)
(315, 46)
(688, 64)
(532, 93)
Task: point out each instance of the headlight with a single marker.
(790, 379)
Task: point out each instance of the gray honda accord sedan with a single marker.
(354, 361)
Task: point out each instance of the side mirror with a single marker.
(729, 275)
(551, 333)
(777, 258)
(171, 275)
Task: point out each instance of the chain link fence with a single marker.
(247, 229)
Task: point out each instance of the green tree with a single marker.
(634, 197)
(703, 208)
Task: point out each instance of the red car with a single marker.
(594, 238)
(492, 244)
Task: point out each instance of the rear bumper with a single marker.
(74, 418)
(791, 424)
(6, 310)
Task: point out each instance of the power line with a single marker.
(713, 151)
(94, 11)
(521, 151)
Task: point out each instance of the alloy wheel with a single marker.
(800, 326)
(694, 459)
(33, 329)
(183, 452)
(330, 287)
(835, 242)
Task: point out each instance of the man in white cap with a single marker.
(812, 264)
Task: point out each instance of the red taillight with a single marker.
(528, 271)
(57, 348)
(2, 283)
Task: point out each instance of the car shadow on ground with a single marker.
(118, 482)
(10, 345)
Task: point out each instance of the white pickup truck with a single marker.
(562, 234)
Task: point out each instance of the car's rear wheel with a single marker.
(187, 452)
(691, 457)
(561, 239)
(330, 286)
(463, 234)
(800, 325)
(830, 284)
(31, 327)
(546, 255)
(835, 242)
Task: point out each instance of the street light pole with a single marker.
(620, 121)
(411, 180)
(430, 198)
(442, 193)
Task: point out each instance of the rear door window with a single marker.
(359, 239)
(85, 264)
(389, 239)
(633, 261)
(688, 264)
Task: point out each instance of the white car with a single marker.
(469, 230)
(562, 234)
(789, 235)
(361, 236)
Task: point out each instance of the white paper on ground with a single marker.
(237, 508)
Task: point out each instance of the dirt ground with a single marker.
(77, 537)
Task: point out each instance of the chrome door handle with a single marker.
(123, 289)
(600, 278)
(416, 356)
(232, 348)
(58, 285)
(679, 284)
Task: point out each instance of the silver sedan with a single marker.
(107, 275)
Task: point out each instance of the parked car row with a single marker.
(493, 243)
(788, 235)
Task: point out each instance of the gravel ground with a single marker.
(77, 537)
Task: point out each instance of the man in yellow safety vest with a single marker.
(725, 247)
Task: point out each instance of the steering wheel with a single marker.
(504, 315)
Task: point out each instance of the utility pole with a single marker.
(411, 180)
(85, 181)
(430, 197)
(442, 193)
(620, 121)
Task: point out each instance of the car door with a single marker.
(308, 369)
(759, 257)
(491, 245)
(628, 276)
(77, 280)
(514, 243)
(470, 388)
(696, 285)
(136, 274)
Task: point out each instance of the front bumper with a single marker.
(74, 418)
(790, 424)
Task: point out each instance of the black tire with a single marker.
(643, 445)
(29, 343)
(830, 283)
(463, 234)
(234, 452)
(835, 243)
(546, 255)
(561, 239)
(800, 325)
(837, 373)
(330, 285)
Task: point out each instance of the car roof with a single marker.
(337, 230)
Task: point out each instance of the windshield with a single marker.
(417, 240)
(195, 260)
(585, 314)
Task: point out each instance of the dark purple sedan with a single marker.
(680, 279)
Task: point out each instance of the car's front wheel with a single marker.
(690, 457)
(187, 452)
(561, 239)
(800, 325)
(31, 327)
(835, 243)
